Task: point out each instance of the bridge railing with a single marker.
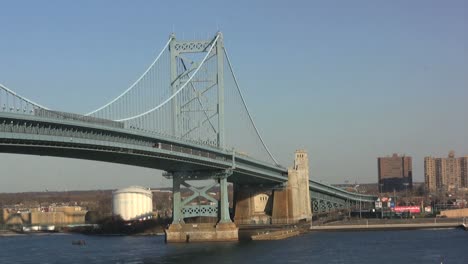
(76, 117)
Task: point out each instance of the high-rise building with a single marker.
(445, 173)
(430, 174)
(395, 173)
(464, 171)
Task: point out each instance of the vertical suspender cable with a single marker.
(134, 84)
(178, 91)
(8, 91)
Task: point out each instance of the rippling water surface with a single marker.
(419, 246)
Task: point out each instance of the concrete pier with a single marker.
(203, 232)
(292, 204)
(253, 205)
(289, 204)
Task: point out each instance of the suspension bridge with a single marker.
(185, 115)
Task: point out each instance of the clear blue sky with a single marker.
(347, 80)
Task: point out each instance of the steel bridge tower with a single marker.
(181, 67)
(179, 75)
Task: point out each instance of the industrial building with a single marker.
(133, 203)
(54, 215)
(395, 173)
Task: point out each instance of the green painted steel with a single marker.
(220, 80)
(223, 187)
(175, 82)
(189, 206)
(189, 211)
(86, 136)
(177, 217)
(326, 198)
(179, 77)
(28, 131)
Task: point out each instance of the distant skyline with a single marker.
(347, 81)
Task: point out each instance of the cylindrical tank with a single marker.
(132, 203)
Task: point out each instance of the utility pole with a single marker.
(381, 207)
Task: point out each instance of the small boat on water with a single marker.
(39, 228)
(276, 235)
(80, 242)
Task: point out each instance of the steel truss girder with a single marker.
(322, 203)
(199, 174)
(199, 210)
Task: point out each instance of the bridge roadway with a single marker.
(73, 136)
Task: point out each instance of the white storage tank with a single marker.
(132, 203)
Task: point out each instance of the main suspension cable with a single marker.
(247, 109)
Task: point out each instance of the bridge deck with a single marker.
(38, 135)
(26, 134)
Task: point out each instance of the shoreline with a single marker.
(13, 233)
(252, 230)
(388, 227)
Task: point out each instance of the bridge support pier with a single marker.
(179, 231)
(286, 204)
(252, 205)
(292, 204)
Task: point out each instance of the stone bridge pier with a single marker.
(253, 204)
(286, 204)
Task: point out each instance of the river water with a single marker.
(417, 246)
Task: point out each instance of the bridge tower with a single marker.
(182, 65)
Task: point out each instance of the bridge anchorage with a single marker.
(187, 116)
